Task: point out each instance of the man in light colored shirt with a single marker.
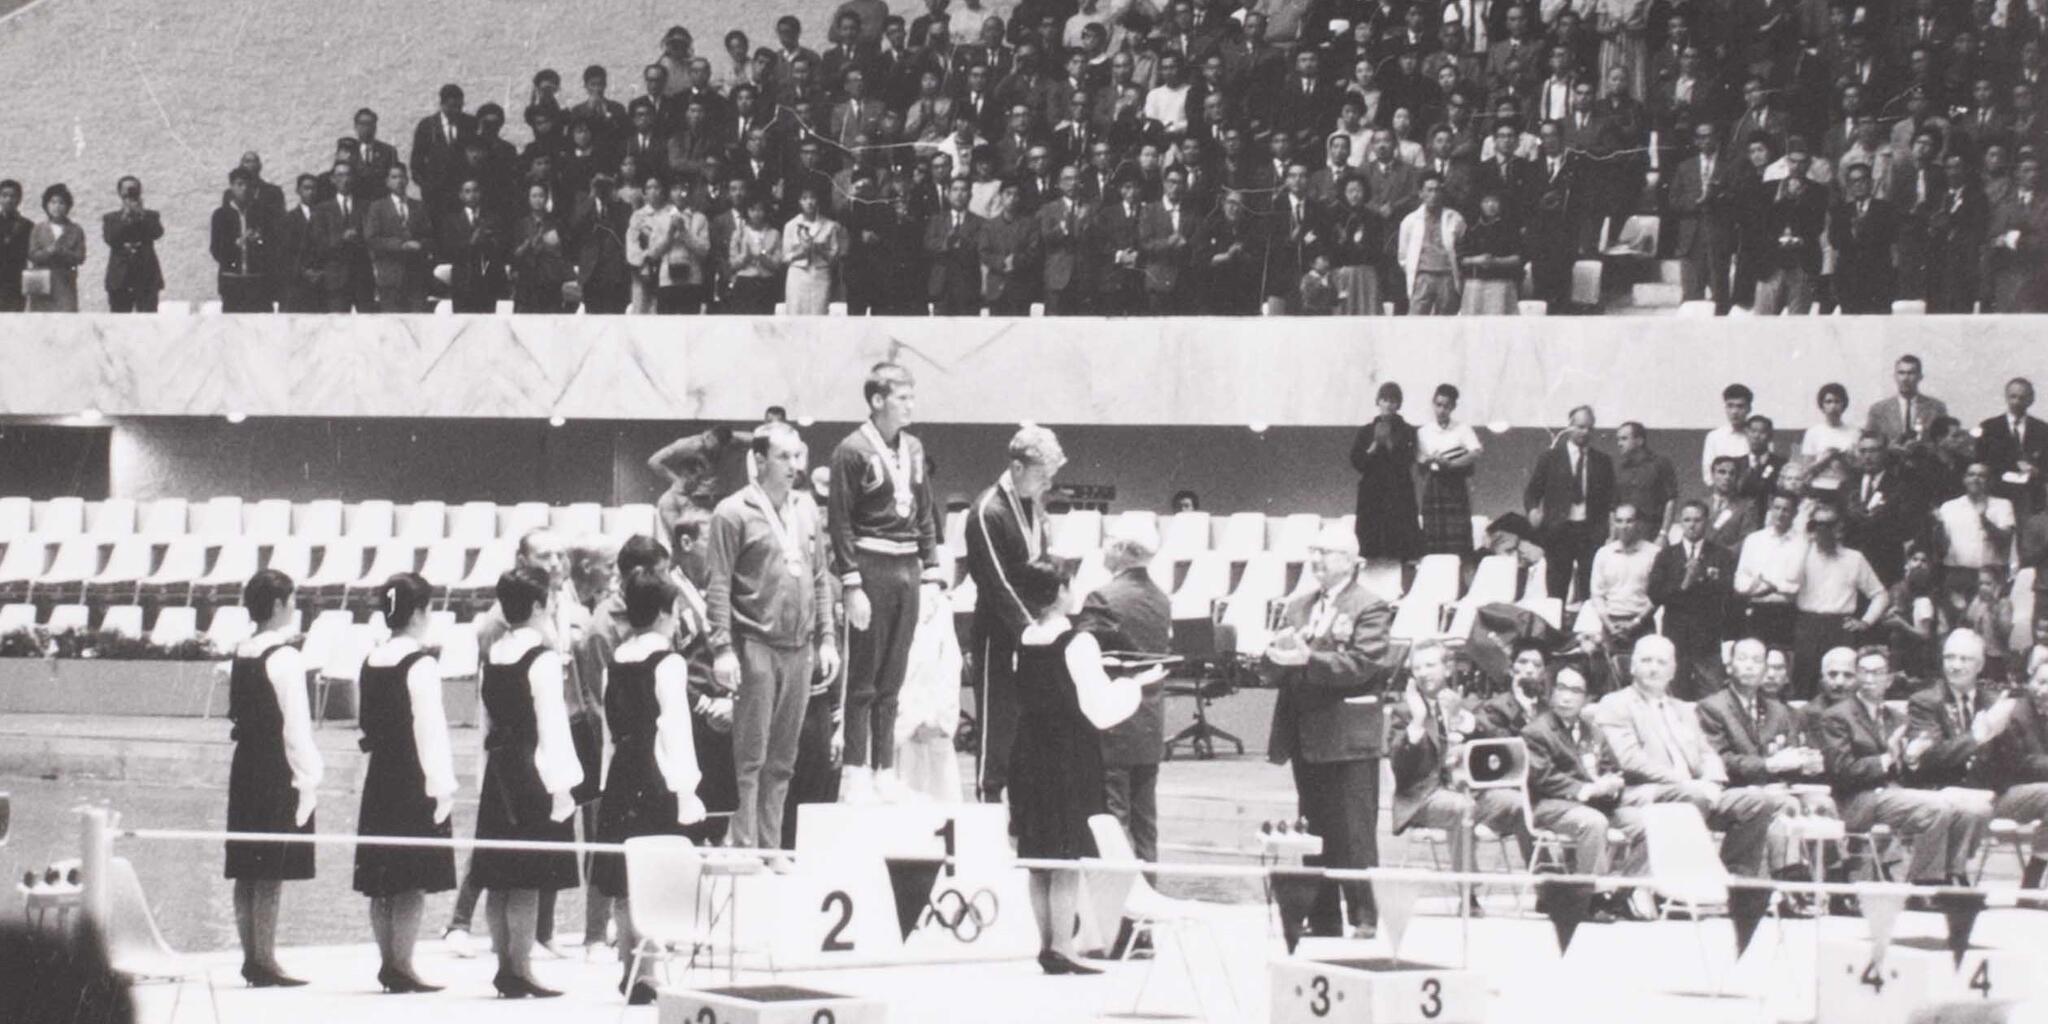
(1167, 103)
(1832, 580)
(1665, 758)
(1619, 610)
(1767, 573)
(1731, 440)
(1976, 531)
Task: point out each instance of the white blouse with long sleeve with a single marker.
(429, 715)
(554, 753)
(1104, 700)
(675, 746)
(286, 668)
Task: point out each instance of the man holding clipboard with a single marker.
(1331, 660)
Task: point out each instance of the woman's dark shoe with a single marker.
(259, 976)
(399, 982)
(1055, 963)
(512, 986)
(642, 994)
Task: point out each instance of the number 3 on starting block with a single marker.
(1378, 990)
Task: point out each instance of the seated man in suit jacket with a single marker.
(1330, 661)
(397, 230)
(1574, 785)
(2015, 764)
(1426, 733)
(1693, 581)
(1665, 757)
(1760, 741)
(1866, 749)
(1508, 712)
(1131, 614)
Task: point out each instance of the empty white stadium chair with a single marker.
(1436, 580)
(267, 520)
(238, 560)
(341, 564)
(516, 520)
(343, 663)
(1263, 581)
(16, 617)
(422, 523)
(1414, 620)
(1479, 532)
(474, 523)
(218, 519)
(292, 556)
(17, 517)
(26, 558)
(1137, 520)
(1207, 581)
(632, 520)
(583, 519)
(1184, 535)
(1382, 577)
(1493, 582)
(318, 521)
(492, 561)
(1075, 533)
(1537, 586)
(459, 655)
(114, 517)
(370, 522)
(174, 626)
(127, 563)
(66, 618)
(230, 626)
(1240, 535)
(1162, 572)
(324, 633)
(77, 560)
(125, 619)
(391, 558)
(439, 622)
(1088, 577)
(446, 562)
(164, 519)
(1291, 535)
(60, 517)
(184, 562)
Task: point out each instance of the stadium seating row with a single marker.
(269, 520)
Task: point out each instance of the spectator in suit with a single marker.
(1760, 466)
(1115, 241)
(1957, 222)
(1702, 198)
(1645, 479)
(1760, 740)
(952, 241)
(1567, 795)
(1863, 231)
(374, 156)
(1066, 219)
(604, 281)
(1330, 661)
(1010, 256)
(1511, 710)
(2018, 260)
(397, 231)
(437, 149)
(296, 263)
(14, 232)
(1867, 746)
(1730, 516)
(1693, 581)
(1882, 511)
(1427, 728)
(1790, 237)
(1569, 497)
(1131, 614)
(1905, 416)
(1166, 238)
(1665, 757)
(2015, 766)
(539, 257)
(472, 244)
(346, 273)
(239, 239)
(2014, 447)
(134, 277)
(1551, 233)
(1232, 258)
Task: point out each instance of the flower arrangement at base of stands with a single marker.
(103, 644)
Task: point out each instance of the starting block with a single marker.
(1376, 990)
(1918, 973)
(765, 1004)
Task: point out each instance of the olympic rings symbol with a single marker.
(966, 917)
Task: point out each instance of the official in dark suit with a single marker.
(346, 276)
(1331, 661)
(1131, 614)
(1569, 498)
(398, 232)
(952, 241)
(1574, 785)
(1757, 473)
(295, 260)
(1115, 243)
(599, 233)
(134, 277)
(1702, 197)
(1166, 237)
(14, 232)
(1507, 713)
(1065, 220)
(1730, 516)
(239, 238)
(1693, 580)
(1883, 509)
(1009, 256)
(1864, 232)
(2015, 448)
(2016, 766)
(1759, 737)
(1005, 531)
(437, 149)
(472, 244)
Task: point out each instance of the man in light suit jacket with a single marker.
(1693, 581)
(1426, 733)
(1131, 614)
(1330, 662)
(2015, 447)
(1906, 415)
(1569, 498)
(1702, 197)
(397, 230)
(1665, 758)
(1428, 251)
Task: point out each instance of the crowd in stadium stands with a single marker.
(1177, 157)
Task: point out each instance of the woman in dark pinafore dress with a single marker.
(651, 788)
(274, 777)
(530, 768)
(409, 789)
(1065, 699)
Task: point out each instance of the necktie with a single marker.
(1680, 757)
(1579, 479)
(1869, 488)
(399, 201)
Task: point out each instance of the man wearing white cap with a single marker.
(1330, 660)
(1130, 614)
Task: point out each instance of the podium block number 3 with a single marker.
(833, 943)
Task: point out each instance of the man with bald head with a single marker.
(1665, 757)
(1837, 684)
(2016, 766)
(1956, 716)
(1869, 751)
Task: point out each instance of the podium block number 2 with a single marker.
(833, 943)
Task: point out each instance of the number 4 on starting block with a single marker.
(1855, 989)
(1379, 990)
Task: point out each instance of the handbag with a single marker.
(36, 282)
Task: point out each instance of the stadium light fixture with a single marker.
(557, 420)
(237, 417)
(90, 416)
(806, 421)
(1498, 426)
(1258, 427)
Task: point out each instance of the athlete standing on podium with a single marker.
(884, 537)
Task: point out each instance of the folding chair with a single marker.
(2005, 834)
(135, 945)
(1686, 869)
(60, 517)
(664, 879)
(174, 626)
(164, 519)
(1149, 912)
(318, 522)
(370, 522)
(114, 517)
(267, 521)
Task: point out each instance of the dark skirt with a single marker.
(637, 802)
(1055, 787)
(261, 799)
(1446, 515)
(514, 805)
(395, 804)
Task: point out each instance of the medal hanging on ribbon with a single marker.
(897, 461)
(792, 553)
